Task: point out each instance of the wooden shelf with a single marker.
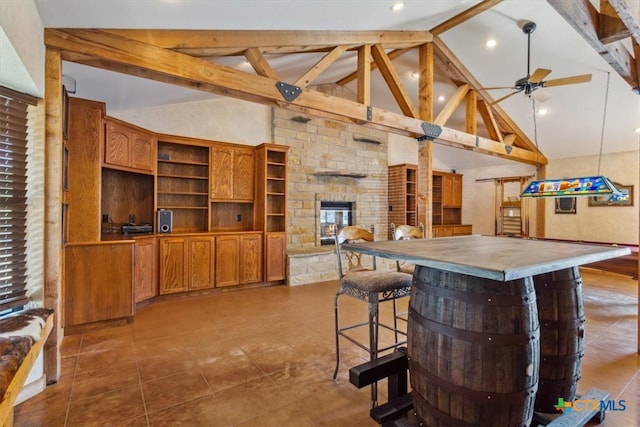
(340, 174)
(183, 184)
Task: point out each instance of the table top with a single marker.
(492, 257)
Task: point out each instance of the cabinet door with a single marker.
(442, 231)
(275, 257)
(243, 182)
(142, 155)
(250, 258)
(117, 145)
(221, 172)
(173, 265)
(146, 269)
(98, 282)
(447, 190)
(227, 260)
(201, 262)
(456, 191)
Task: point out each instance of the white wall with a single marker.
(616, 224)
(219, 119)
(22, 52)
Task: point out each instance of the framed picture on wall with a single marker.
(608, 200)
(566, 205)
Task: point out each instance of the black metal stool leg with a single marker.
(335, 306)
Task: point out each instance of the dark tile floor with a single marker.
(265, 357)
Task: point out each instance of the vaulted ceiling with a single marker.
(282, 66)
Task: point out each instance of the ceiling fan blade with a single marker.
(497, 87)
(538, 75)
(584, 78)
(505, 97)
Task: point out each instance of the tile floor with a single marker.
(264, 357)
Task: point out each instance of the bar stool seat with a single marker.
(373, 287)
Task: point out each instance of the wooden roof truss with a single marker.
(190, 58)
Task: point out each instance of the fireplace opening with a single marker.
(334, 215)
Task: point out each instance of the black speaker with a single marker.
(165, 221)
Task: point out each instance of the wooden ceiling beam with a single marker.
(464, 16)
(259, 63)
(364, 75)
(452, 104)
(141, 59)
(449, 63)
(393, 81)
(486, 113)
(204, 43)
(471, 114)
(610, 26)
(320, 66)
(351, 77)
(584, 18)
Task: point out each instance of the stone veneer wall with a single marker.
(320, 145)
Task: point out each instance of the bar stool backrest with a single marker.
(350, 234)
(406, 232)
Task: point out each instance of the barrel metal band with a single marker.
(565, 324)
(565, 360)
(486, 299)
(563, 383)
(472, 336)
(484, 397)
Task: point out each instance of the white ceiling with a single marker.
(573, 126)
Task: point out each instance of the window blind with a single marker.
(13, 198)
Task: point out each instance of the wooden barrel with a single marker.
(561, 317)
(473, 349)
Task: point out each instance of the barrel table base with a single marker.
(562, 322)
(473, 349)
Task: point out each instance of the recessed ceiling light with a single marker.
(441, 98)
(397, 6)
(543, 111)
(415, 75)
(491, 43)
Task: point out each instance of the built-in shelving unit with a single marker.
(276, 190)
(183, 184)
(403, 188)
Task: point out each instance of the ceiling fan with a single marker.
(535, 81)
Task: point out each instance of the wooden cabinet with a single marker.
(403, 187)
(98, 283)
(238, 259)
(186, 263)
(145, 269)
(446, 198)
(271, 207)
(82, 171)
(250, 258)
(126, 146)
(183, 185)
(452, 230)
(173, 265)
(275, 256)
(232, 173)
(201, 262)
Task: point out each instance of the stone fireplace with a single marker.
(335, 162)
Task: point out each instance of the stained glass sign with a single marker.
(583, 186)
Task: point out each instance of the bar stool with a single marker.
(371, 286)
(406, 232)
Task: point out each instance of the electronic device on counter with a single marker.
(165, 221)
(131, 228)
